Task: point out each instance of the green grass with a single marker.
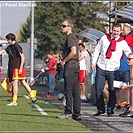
(25, 117)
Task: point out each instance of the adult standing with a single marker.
(71, 69)
(128, 36)
(106, 59)
(124, 71)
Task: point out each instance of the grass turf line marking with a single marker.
(40, 109)
(27, 97)
(37, 106)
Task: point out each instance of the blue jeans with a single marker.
(51, 79)
(101, 77)
(60, 72)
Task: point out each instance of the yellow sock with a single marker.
(32, 95)
(15, 98)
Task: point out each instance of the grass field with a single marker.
(26, 117)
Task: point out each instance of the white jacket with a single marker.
(99, 54)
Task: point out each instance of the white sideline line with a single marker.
(37, 106)
(26, 97)
(40, 109)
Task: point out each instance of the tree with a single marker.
(49, 16)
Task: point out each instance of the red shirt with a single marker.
(129, 40)
(52, 62)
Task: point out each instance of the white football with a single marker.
(88, 96)
(60, 96)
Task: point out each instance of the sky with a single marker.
(12, 15)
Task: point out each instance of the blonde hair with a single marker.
(69, 21)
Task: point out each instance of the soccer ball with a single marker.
(60, 96)
(88, 96)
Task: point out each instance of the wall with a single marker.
(26, 51)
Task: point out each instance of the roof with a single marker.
(125, 12)
(91, 34)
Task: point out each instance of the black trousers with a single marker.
(71, 90)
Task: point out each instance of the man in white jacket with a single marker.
(106, 58)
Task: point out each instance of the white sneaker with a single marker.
(83, 97)
(12, 104)
(130, 114)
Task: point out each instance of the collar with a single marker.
(115, 38)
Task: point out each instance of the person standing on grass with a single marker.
(106, 59)
(16, 70)
(71, 68)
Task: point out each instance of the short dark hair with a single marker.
(81, 44)
(117, 25)
(11, 36)
(50, 53)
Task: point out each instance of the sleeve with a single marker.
(18, 49)
(127, 49)
(83, 54)
(97, 51)
(72, 40)
(7, 50)
(129, 40)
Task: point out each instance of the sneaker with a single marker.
(34, 100)
(83, 97)
(118, 107)
(12, 104)
(127, 106)
(49, 96)
(125, 113)
(130, 114)
(64, 116)
(77, 118)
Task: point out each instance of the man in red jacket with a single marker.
(128, 35)
(51, 72)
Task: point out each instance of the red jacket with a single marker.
(129, 40)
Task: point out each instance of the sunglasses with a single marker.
(64, 26)
(128, 59)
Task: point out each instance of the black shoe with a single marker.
(110, 114)
(118, 107)
(125, 114)
(98, 113)
(127, 106)
(77, 118)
